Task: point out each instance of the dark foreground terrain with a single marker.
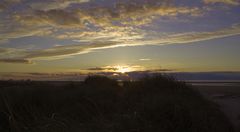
(226, 95)
(100, 104)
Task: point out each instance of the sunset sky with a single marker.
(87, 36)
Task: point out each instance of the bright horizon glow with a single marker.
(123, 69)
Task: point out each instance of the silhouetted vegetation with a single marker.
(99, 104)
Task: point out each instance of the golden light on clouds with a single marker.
(117, 68)
(123, 69)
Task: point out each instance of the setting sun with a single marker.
(123, 69)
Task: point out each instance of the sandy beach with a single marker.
(226, 95)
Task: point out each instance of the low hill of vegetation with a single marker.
(100, 104)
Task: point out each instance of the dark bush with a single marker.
(100, 81)
(151, 104)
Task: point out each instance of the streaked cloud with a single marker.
(228, 2)
(6, 3)
(129, 12)
(110, 33)
(190, 37)
(2, 7)
(177, 38)
(156, 40)
(24, 32)
(145, 59)
(95, 22)
(54, 18)
(63, 51)
(11, 53)
(57, 4)
(22, 61)
(3, 50)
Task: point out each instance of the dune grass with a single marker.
(100, 104)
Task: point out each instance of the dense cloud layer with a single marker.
(90, 25)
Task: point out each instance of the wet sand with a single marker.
(226, 95)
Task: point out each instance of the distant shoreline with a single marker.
(187, 81)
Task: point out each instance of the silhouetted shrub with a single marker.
(158, 103)
(4, 122)
(100, 81)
